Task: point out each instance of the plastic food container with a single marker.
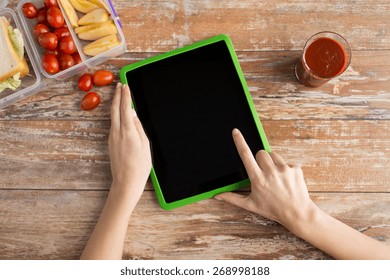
(35, 80)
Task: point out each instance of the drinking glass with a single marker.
(325, 56)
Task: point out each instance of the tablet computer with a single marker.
(189, 100)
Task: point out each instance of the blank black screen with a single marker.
(189, 104)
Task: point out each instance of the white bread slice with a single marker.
(10, 63)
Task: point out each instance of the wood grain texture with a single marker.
(56, 225)
(54, 155)
(226, 232)
(47, 224)
(253, 25)
(344, 156)
(362, 92)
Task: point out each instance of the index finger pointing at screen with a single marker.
(246, 155)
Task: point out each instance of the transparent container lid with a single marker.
(3, 3)
(32, 82)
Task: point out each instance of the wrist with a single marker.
(125, 194)
(304, 222)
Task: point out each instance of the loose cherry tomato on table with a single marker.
(50, 3)
(29, 10)
(67, 45)
(90, 101)
(61, 32)
(39, 29)
(103, 78)
(55, 17)
(42, 15)
(85, 82)
(48, 40)
(66, 61)
(50, 63)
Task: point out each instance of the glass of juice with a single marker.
(325, 56)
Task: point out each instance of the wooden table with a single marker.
(54, 164)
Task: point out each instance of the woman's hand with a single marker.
(129, 147)
(130, 166)
(278, 191)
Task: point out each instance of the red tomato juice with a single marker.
(325, 58)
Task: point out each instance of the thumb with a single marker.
(233, 198)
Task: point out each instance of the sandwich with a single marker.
(13, 65)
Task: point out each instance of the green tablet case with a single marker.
(231, 187)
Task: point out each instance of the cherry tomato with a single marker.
(76, 58)
(67, 45)
(55, 17)
(48, 40)
(50, 63)
(61, 32)
(50, 3)
(85, 82)
(90, 101)
(29, 10)
(41, 15)
(56, 52)
(66, 61)
(103, 78)
(39, 29)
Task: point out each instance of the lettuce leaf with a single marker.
(11, 83)
(17, 40)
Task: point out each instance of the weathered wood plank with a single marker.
(46, 224)
(253, 25)
(226, 232)
(57, 224)
(335, 155)
(54, 155)
(339, 155)
(362, 92)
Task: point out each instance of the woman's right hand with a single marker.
(278, 190)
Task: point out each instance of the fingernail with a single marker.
(217, 198)
(118, 85)
(236, 131)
